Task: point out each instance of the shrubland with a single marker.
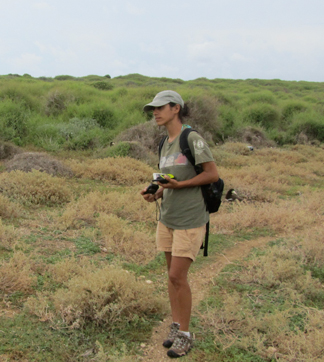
(86, 113)
(79, 276)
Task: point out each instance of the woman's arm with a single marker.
(207, 176)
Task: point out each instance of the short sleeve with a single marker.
(199, 148)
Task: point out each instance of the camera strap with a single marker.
(157, 211)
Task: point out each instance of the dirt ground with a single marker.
(199, 282)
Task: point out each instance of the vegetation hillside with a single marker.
(79, 276)
(67, 113)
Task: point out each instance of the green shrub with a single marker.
(85, 140)
(64, 77)
(292, 108)
(121, 149)
(56, 103)
(310, 124)
(229, 120)
(105, 117)
(103, 85)
(80, 134)
(262, 114)
(13, 119)
(263, 97)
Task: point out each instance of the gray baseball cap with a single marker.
(163, 98)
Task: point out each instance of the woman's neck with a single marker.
(174, 129)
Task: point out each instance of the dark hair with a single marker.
(184, 111)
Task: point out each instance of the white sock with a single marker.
(185, 333)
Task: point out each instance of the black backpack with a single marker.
(212, 193)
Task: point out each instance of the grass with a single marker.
(62, 239)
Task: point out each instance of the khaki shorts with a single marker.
(183, 243)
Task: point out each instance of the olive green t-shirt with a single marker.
(183, 208)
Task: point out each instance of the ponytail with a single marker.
(184, 111)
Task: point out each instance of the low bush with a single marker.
(9, 209)
(128, 205)
(7, 235)
(263, 97)
(105, 117)
(16, 274)
(56, 102)
(309, 124)
(260, 305)
(281, 216)
(262, 114)
(103, 85)
(117, 171)
(13, 120)
(34, 188)
(108, 297)
(121, 238)
(291, 108)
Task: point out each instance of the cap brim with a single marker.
(150, 106)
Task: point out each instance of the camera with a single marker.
(160, 177)
(151, 189)
(157, 177)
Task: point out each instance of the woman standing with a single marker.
(182, 226)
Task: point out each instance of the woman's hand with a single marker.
(152, 197)
(171, 184)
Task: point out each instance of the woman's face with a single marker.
(165, 114)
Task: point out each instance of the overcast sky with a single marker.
(186, 39)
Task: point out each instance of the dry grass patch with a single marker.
(261, 305)
(9, 209)
(281, 267)
(16, 274)
(281, 216)
(310, 153)
(311, 242)
(236, 148)
(117, 171)
(128, 205)
(121, 238)
(8, 235)
(255, 175)
(34, 188)
(66, 269)
(281, 155)
(107, 297)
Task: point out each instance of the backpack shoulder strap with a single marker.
(184, 145)
(160, 147)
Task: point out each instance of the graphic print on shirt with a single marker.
(175, 159)
(199, 146)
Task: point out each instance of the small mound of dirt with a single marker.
(147, 134)
(255, 137)
(29, 161)
(140, 152)
(7, 151)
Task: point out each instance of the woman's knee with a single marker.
(177, 280)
